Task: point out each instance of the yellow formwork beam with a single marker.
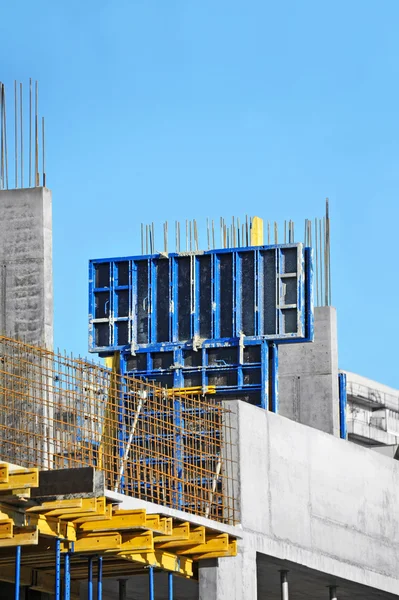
(19, 480)
(196, 537)
(22, 536)
(231, 551)
(162, 560)
(217, 543)
(6, 528)
(179, 533)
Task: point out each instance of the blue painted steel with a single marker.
(17, 572)
(100, 578)
(57, 582)
(67, 576)
(151, 582)
(285, 329)
(90, 578)
(273, 348)
(342, 405)
(264, 394)
(170, 586)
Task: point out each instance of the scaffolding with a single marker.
(155, 444)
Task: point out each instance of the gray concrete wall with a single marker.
(26, 282)
(308, 376)
(317, 501)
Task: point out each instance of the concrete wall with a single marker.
(26, 282)
(308, 376)
(317, 501)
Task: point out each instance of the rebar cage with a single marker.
(152, 443)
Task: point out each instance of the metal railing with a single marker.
(155, 444)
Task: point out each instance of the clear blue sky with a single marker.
(191, 108)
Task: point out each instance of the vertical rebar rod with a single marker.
(57, 582)
(43, 154)
(142, 238)
(213, 234)
(284, 585)
(321, 262)
(17, 572)
(5, 134)
(16, 133)
(37, 182)
(317, 261)
(21, 133)
(1, 137)
(90, 578)
(30, 131)
(100, 578)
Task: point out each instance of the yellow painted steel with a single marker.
(257, 232)
(128, 540)
(20, 480)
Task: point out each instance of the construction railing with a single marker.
(159, 445)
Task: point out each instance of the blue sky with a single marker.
(177, 109)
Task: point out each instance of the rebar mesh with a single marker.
(156, 444)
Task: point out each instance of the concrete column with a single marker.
(333, 592)
(229, 578)
(308, 376)
(26, 282)
(284, 585)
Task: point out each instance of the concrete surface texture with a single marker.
(316, 501)
(26, 282)
(308, 376)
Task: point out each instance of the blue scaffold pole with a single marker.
(90, 579)
(17, 572)
(57, 585)
(100, 578)
(170, 586)
(151, 582)
(67, 576)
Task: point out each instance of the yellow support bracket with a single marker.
(6, 528)
(22, 536)
(179, 533)
(231, 551)
(121, 519)
(20, 480)
(217, 543)
(196, 537)
(162, 560)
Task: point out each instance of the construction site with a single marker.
(209, 448)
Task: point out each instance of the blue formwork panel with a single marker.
(192, 300)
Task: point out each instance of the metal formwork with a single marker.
(204, 319)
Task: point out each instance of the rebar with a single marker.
(155, 444)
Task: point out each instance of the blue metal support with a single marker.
(151, 582)
(343, 430)
(178, 417)
(57, 583)
(67, 576)
(90, 579)
(264, 392)
(17, 572)
(100, 578)
(273, 349)
(170, 586)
